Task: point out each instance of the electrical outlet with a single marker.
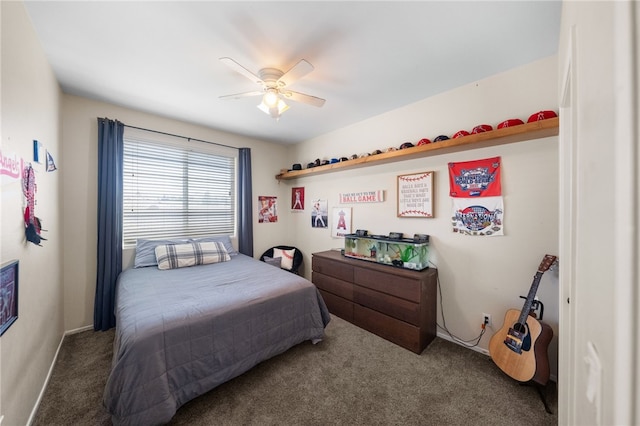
(486, 320)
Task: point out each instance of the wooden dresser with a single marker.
(396, 304)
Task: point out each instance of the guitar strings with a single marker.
(443, 327)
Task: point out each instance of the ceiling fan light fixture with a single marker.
(275, 111)
(271, 98)
(272, 103)
(273, 83)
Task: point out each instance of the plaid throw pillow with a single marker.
(172, 256)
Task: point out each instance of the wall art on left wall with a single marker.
(8, 295)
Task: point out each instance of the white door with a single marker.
(599, 159)
(567, 242)
(626, 273)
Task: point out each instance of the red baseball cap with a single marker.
(510, 123)
(482, 128)
(460, 134)
(541, 115)
(423, 141)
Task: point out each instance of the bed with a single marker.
(182, 332)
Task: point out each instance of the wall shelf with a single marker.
(523, 132)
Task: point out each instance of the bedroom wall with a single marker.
(30, 110)
(79, 151)
(477, 274)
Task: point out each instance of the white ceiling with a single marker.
(369, 57)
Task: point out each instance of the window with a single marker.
(177, 190)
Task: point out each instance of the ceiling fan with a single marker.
(274, 84)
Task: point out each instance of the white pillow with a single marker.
(172, 256)
(287, 257)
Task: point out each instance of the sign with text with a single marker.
(478, 178)
(415, 195)
(362, 197)
(11, 165)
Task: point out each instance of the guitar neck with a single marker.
(532, 294)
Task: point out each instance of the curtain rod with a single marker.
(179, 136)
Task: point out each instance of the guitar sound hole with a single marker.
(520, 328)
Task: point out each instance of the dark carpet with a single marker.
(352, 377)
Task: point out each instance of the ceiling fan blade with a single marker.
(240, 69)
(243, 95)
(301, 97)
(298, 71)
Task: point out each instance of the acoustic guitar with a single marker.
(519, 348)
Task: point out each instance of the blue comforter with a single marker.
(182, 332)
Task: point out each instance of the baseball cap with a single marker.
(510, 123)
(541, 115)
(481, 128)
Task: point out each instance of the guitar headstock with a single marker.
(546, 263)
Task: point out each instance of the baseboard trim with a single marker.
(445, 336)
(78, 330)
(46, 383)
(50, 372)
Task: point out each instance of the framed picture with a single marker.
(320, 214)
(341, 223)
(8, 295)
(415, 195)
(268, 209)
(297, 199)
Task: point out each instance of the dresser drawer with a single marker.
(405, 288)
(333, 285)
(338, 306)
(401, 309)
(332, 268)
(396, 331)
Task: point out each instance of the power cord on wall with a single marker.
(444, 323)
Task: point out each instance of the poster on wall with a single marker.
(482, 216)
(268, 211)
(320, 214)
(477, 178)
(297, 199)
(341, 222)
(38, 152)
(8, 295)
(415, 195)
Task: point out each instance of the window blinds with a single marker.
(171, 191)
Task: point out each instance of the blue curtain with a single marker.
(110, 153)
(245, 208)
